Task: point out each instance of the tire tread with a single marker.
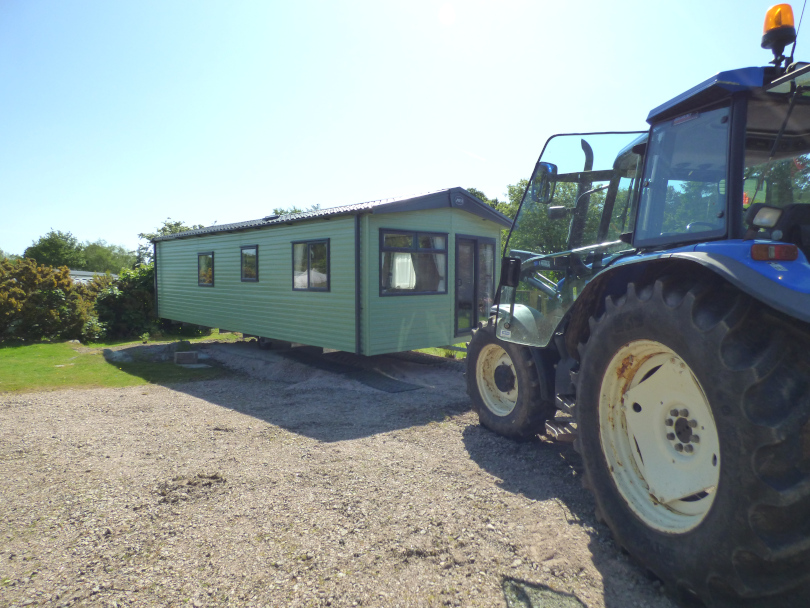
(771, 554)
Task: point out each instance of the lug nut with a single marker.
(669, 422)
(673, 412)
(684, 413)
(695, 438)
(692, 423)
(671, 436)
(689, 449)
(679, 447)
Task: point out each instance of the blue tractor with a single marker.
(654, 308)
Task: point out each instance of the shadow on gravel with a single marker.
(330, 407)
(543, 470)
(522, 594)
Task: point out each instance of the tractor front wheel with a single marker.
(505, 386)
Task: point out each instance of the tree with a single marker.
(509, 207)
(103, 257)
(8, 256)
(144, 252)
(294, 209)
(501, 206)
(57, 249)
(63, 249)
(514, 194)
(283, 211)
(534, 230)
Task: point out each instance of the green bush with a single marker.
(39, 303)
(93, 330)
(127, 307)
(42, 303)
(188, 330)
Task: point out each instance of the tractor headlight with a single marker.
(766, 217)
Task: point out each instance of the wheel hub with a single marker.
(679, 431)
(504, 378)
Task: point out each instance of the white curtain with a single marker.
(403, 273)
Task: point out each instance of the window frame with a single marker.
(309, 243)
(479, 240)
(647, 186)
(199, 256)
(415, 234)
(242, 264)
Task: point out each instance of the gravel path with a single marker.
(284, 485)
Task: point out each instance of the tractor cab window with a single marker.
(577, 204)
(777, 167)
(683, 197)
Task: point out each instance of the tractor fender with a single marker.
(613, 281)
(792, 296)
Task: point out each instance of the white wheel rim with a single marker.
(499, 402)
(659, 437)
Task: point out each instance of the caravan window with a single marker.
(250, 263)
(311, 265)
(205, 269)
(412, 263)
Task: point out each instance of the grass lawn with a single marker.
(161, 338)
(39, 367)
(443, 352)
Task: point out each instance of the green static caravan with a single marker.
(372, 278)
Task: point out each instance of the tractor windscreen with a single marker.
(578, 202)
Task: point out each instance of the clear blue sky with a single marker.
(117, 115)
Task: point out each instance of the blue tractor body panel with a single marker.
(713, 89)
(783, 285)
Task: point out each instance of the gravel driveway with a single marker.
(284, 484)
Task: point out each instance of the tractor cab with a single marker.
(654, 308)
(724, 171)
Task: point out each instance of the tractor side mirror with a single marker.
(543, 182)
(510, 272)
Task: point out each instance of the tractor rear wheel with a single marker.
(693, 402)
(505, 386)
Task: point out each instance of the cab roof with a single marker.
(717, 87)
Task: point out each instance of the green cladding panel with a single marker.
(268, 307)
(406, 322)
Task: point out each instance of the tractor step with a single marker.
(561, 430)
(566, 404)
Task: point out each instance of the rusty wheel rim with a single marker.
(659, 437)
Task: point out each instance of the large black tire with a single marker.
(505, 386)
(733, 519)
